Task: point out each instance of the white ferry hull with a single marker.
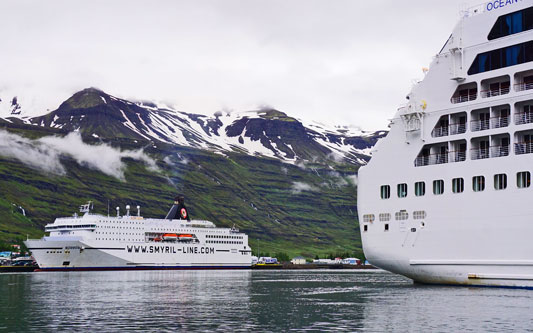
(79, 255)
(96, 242)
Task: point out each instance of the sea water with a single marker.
(258, 300)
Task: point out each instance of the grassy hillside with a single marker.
(307, 210)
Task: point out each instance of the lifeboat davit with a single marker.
(170, 237)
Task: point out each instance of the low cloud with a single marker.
(299, 187)
(45, 154)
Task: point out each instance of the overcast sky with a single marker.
(335, 61)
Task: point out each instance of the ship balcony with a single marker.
(457, 129)
(523, 118)
(485, 124)
(440, 131)
(522, 86)
(441, 158)
(502, 90)
(499, 151)
(479, 153)
(463, 98)
(525, 147)
(431, 159)
(492, 152)
(480, 125)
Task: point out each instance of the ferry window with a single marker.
(386, 227)
(402, 190)
(369, 218)
(523, 179)
(401, 215)
(420, 189)
(385, 191)
(500, 181)
(458, 185)
(478, 183)
(419, 214)
(438, 186)
(384, 217)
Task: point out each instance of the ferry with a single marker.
(96, 242)
(445, 196)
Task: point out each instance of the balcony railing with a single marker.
(523, 147)
(449, 157)
(431, 159)
(439, 131)
(497, 122)
(457, 156)
(523, 86)
(523, 118)
(463, 98)
(480, 153)
(499, 151)
(479, 125)
(457, 129)
(495, 92)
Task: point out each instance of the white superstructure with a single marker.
(99, 242)
(446, 197)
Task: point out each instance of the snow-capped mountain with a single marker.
(266, 132)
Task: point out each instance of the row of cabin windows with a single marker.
(503, 57)
(222, 242)
(512, 23)
(523, 180)
(399, 216)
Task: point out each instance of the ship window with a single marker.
(512, 23)
(458, 185)
(503, 57)
(419, 214)
(500, 181)
(478, 183)
(402, 190)
(384, 217)
(369, 218)
(386, 227)
(385, 191)
(523, 179)
(420, 189)
(438, 186)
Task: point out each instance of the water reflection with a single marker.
(325, 300)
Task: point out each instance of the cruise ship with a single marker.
(96, 242)
(445, 198)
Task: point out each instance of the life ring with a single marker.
(183, 213)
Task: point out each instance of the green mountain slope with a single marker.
(308, 210)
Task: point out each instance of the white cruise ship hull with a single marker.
(446, 197)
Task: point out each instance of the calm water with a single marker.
(320, 300)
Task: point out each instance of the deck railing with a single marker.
(463, 98)
(523, 118)
(523, 147)
(523, 86)
(457, 128)
(479, 125)
(497, 122)
(499, 151)
(495, 92)
(479, 153)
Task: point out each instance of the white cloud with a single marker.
(45, 154)
(299, 187)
